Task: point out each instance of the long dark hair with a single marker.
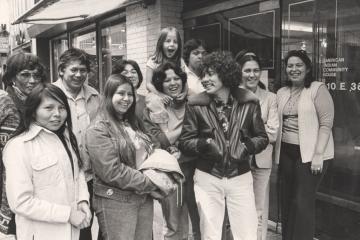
(31, 105)
(120, 66)
(159, 55)
(305, 58)
(111, 85)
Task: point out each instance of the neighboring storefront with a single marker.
(109, 31)
(329, 30)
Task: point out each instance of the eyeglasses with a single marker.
(27, 75)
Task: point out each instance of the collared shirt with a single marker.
(193, 82)
(83, 109)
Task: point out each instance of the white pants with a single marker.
(261, 177)
(212, 192)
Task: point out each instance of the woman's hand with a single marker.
(166, 100)
(76, 217)
(84, 207)
(317, 164)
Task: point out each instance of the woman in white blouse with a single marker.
(261, 163)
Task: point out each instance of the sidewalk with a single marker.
(158, 226)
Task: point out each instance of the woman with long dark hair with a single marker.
(117, 146)
(45, 185)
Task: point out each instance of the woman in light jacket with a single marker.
(303, 146)
(261, 164)
(45, 186)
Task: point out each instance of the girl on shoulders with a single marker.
(168, 49)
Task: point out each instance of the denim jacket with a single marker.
(112, 156)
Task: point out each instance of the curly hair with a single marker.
(305, 58)
(223, 63)
(160, 75)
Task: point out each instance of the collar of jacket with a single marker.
(240, 94)
(88, 91)
(35, 130)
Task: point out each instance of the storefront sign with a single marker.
(331, 66)
(4, 44)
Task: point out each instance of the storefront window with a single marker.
(113, 45)
(59, 45)
(86, 40)
(252, 27)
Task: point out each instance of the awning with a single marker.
(61, 11)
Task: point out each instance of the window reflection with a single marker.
(113, 46)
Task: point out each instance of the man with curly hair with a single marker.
(222, 130)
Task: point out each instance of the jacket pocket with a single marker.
(116, 194)
(46, 171)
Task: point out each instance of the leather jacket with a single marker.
(201, 122)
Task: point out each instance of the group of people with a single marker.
(200, 142)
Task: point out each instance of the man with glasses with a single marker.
(74, 68)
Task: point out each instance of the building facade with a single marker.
(329, 30)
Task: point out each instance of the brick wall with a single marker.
(143, 26)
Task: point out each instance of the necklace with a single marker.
(293, 101)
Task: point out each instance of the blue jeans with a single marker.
(124, 215)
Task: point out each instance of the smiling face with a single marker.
(26, 80)
(296, 71)
(172, 85)
(195, 57)
(122, 99)
(130, 72)
(50, 114)
(211, 82)
(170, 45)
(74, 76)
(251, 75)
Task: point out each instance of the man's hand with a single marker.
(209, 149)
